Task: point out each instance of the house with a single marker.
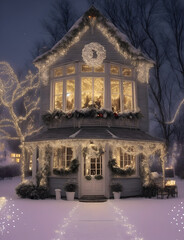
(94, 106)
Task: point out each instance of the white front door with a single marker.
(92, 167)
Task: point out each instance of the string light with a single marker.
(12, 90)
(176, 114)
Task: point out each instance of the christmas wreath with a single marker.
(63, 171)
(127, 171)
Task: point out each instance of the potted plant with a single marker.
(70, 189)
(116, 189)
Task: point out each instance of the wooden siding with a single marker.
(59, 183)
(131, 186)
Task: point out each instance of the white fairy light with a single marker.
(176, 114)
(12, 91)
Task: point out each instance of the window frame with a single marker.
(65, 157)
(93, 78)
(121, 80)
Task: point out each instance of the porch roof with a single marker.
(98, 133)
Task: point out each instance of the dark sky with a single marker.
(20, 27)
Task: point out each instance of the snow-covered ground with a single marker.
(125, 219)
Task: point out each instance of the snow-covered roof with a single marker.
(69, 39)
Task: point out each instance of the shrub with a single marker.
(11, 170)
(116, 187)
(70, 187)
(29, 190)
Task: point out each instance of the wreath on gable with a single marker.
(93, 54)
(72, 169)
(127, 171)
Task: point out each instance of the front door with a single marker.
(93, 168)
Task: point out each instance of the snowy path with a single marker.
(125, 219)
(96, 221)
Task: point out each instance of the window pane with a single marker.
(99, 92)
(70, 69)
(99, 69)
(124, 159)
(58, 98)
(115, 95)
(69, 157)
(70, 94)
(86, 68)
(114, 70)
(58, 72)
(86, 92)
(127, 96)
(127, 72)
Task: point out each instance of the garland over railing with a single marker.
(127, 171)
(48, 117)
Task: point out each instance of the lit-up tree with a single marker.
(19, 103)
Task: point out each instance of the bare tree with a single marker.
(17, 123)
(174, 18)
(55, 26)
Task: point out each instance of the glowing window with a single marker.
(70, 94)
(127, 96)
(115, 95)
(86, 68)
(124, 159)
(64, 95)
(70, 69)
(99, 69)
(58, 95)
(114, 69)
(63, 157)
(92, 92)
(127, 72)
(58, 72)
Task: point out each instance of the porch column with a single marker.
(34, 164)
(79, 177)
(106, 172)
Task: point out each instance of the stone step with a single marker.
(93, 198)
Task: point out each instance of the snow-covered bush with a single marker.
(29, 190)
(11, 170)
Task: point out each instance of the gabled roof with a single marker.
(118, 39)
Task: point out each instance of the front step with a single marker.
(93, 198)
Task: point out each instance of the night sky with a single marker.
(20, 28)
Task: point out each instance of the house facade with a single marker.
(94, 108)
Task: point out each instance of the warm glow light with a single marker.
(170, 183)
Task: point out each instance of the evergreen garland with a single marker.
(89, 113)
(128, 171)
(73, 169)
